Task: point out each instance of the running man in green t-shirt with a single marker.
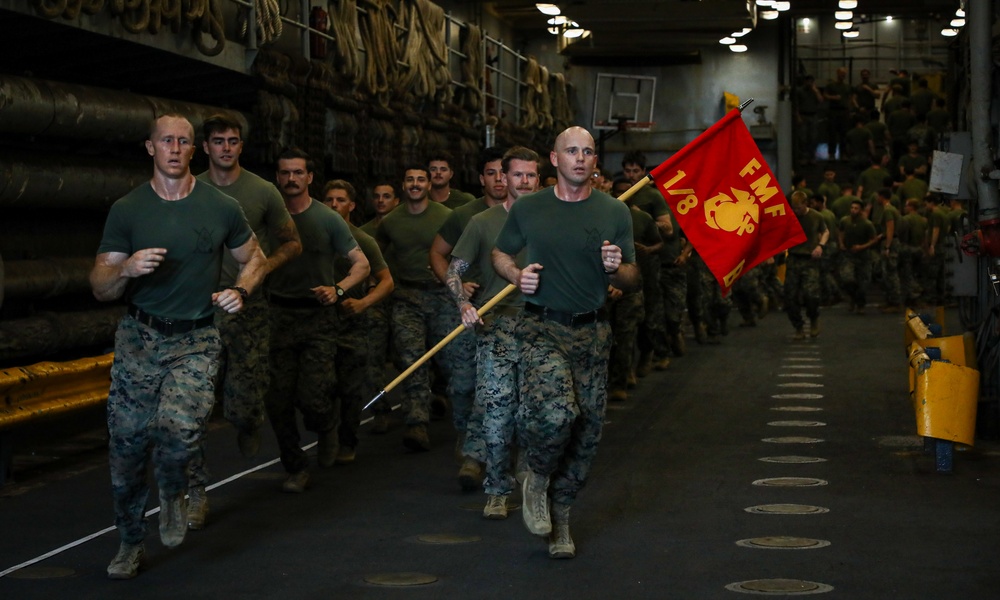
(578, 241)
(496, 349)
(162, 250)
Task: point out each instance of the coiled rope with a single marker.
(379, 39)
(344, 15)
(423, 51)
(472, 68)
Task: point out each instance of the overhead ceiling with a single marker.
(668, 31)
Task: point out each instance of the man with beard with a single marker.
(441, 172)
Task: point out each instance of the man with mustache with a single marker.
(441, 172)
(304, 322)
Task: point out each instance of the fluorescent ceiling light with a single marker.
(843, 25)
(738, 48)
(769, 15)
(558, 20)
(949, 32)
(727, 40)
(742, 33)
(575, 32)
(766, 3)
(888, 19)
(843, 15)
(958, 13)
(957, 22)
(548, 9)
(782, 6)
(848, 4)
(851, 33)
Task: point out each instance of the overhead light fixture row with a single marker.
(738, 47)
(769, 15)
(843, 15)
(548, 9)
(843, 25)
(851, 33)
(949, 32)
(848, 4)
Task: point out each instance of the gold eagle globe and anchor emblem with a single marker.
(740, 214)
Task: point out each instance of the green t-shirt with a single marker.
(829, 190)
(922, 101)
(908, 161)
(938, 119)
(813, 225)
(645, 231)
(193, 230)
(899, 122)
(830, 220)
(406, 241)
(369, 228)
(883, 216)
(457, 198)
(856, 232)
(475, 246)
(870, 181)
(857, 143)
(455, 224)
(841, 207)
(842, 89)
(913, 229)
(913, 188)
(939, 218)
(878, 130)
(650, 201)
(264, 209)
(324, 235)
(369, 247)
(566, 239)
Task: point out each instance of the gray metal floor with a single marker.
(664, 514)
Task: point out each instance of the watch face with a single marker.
(340, 291)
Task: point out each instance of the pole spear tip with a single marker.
(745, 104)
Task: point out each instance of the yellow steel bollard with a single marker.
(945, 402)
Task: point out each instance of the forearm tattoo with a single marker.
(453, 280)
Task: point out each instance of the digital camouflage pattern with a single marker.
(627, 314)
(564, 375)
(497, 399)
(802, 288)
(162, 393)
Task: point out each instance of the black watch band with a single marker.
(340, 290)
(242, 292)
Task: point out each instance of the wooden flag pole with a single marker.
(444, 342)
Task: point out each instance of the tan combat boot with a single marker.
(560, 542)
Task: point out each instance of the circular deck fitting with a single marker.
(796, 408)
(790, 482)
(783, 542)
(43, 573)
(786, 509)
(793, 439)
(800, 375)
(779, 587)
(400, 579)
(797, 424)
(802, 359)
(792, 460)
(446, 538)
(801, 384)
(797, 396)
(900, 441)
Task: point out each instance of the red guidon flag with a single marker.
(727, 201)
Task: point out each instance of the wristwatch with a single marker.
(340, 291)
(242, 292)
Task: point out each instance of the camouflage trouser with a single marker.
(890, 274)
(828, 284)
(378, 345)
(673, 290)
(420, 319)
(162, 392)
(626, 316)
(243, 373)
(692, 299)
(353, 389)
(564, 375)
(715, 308)
(769, 282)
(747, 295)
(910, 272)
(303, 376)
(856, 275)
(801, 288)
(497, 398)
(652, 335)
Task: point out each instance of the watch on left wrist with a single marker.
(242, 292)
